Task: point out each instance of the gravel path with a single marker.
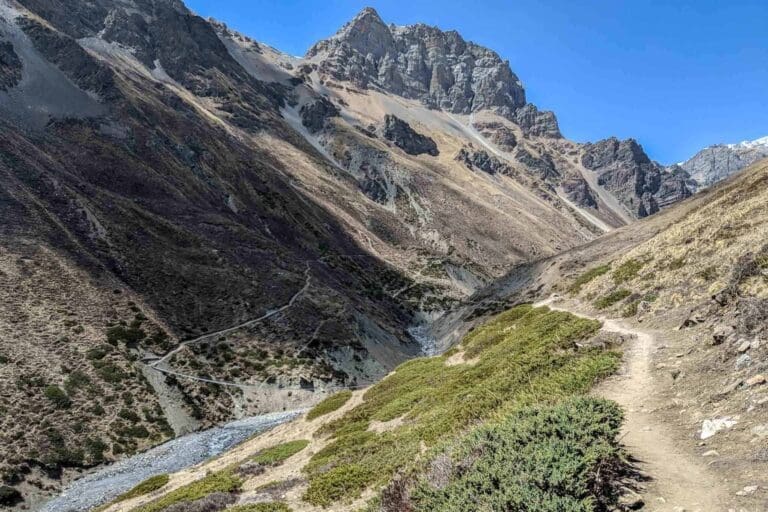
(175, 455)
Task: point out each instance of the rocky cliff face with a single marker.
(642, 186)
(717, 162)
(440, 69)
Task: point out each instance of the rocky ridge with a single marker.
(717, 162)
(642, 186)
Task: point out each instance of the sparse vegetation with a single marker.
(587, 277)
(542, 458)
(274, 506)
(220, 481)
(330, 404)
(612, 298)
(147, 486)
(524, 356)
(627, 271)
(57, 395)
(630, 309)
(676, 264)
(277, 454)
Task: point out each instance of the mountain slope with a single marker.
(185, 205)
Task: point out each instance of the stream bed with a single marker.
(107, 483)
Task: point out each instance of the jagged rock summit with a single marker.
(439, 68)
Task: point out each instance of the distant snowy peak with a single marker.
(717, 162)
(750, 144)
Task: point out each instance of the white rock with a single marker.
(713, 426)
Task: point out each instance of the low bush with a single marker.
(627, 271)
(587, 277)
(75, 381)
(524, 356)
(9, 496)
(129, 335)
(630, 309)
(543, 458)
(274, 506)
(149, 485)
(220, 481)
(329, 405)
(57, 395)
(612, 298)
(277, 454)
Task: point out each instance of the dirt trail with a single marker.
(680, 480)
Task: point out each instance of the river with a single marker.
(107, 483)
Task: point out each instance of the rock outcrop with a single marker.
(315, 116)
(578, 191)
(504, 138)
(10, 66)
(406, 138)
(440, 69)
(482, 161)
(641, 185)
(541, 166)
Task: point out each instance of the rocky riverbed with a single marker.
(185, 451)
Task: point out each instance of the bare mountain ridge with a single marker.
(715, 163)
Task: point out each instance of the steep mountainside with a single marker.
(715, 163)
(200, 223)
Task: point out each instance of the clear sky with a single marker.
(677, 75)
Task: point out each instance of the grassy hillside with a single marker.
(512, 391)
(719, 247)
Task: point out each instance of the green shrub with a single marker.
(277, 454)
(59, 398)
(612, 298)
(650, 297)
(274, 506)
(220, 481)
(630, 309)
(98, 353)
(76, 380)
(149, 485)
(627, 271)
(329, 405)
(588, 276)
(524, 356)
(95, 448)
(110, 372)
(9, 496)
(543, 458)
(128, 335)
(676, 264)
(708, 274)
(129, 415)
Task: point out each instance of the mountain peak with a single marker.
(437, 67)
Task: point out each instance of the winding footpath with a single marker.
(681, 482)
(156, 365)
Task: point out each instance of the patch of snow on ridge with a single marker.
(762, 141)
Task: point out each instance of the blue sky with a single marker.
(677, 75)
